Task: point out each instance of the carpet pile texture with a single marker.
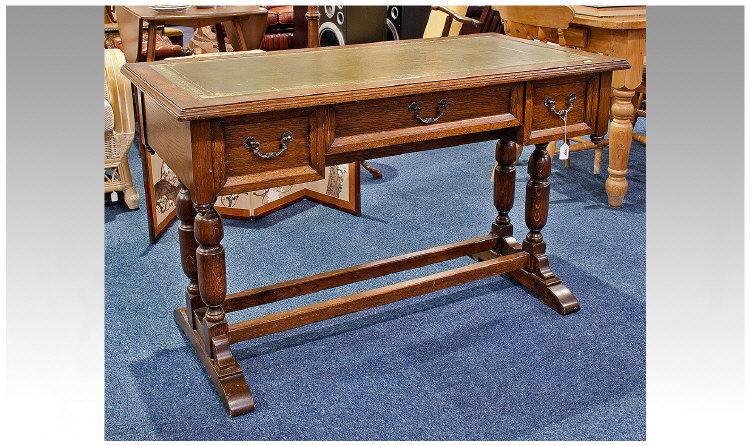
(481, 361)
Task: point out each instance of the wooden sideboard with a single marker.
(245, 122)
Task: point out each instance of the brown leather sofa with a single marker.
(164, 47)
(279, 28)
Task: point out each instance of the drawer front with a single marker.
(543, 125)
(270, 150)
(382, 122)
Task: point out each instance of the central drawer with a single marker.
(382, 122)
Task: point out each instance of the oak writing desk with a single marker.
(246, 122)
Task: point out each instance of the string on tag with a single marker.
(564, 149)
(562, 114)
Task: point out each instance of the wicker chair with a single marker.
(119, 128)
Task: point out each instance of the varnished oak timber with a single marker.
(200, 116)
(230, 383)
(309, 314)
(542, 125)
(551, 291)
(302, 161)
(362, 117)
(416, 146)
(373, 171)
(188, 246)
(344, 276)
(172, 138)
(504, 182)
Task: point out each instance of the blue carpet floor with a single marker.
(481, 361)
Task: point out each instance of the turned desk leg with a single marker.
(538, 276)
(503, 195)
(209, 331)
(620, 137)
(212, 274)
(537, 203)
(188, 245)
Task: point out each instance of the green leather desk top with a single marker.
(240, 83)
(225, 77)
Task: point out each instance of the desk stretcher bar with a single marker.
(227, 375)
(345, 276)
(308, 314)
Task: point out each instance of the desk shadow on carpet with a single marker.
(481, 361)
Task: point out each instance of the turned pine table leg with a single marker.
(188, 245)
(598, 149)
(620, 137)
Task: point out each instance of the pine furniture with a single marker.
(622, 36)
(615, 31)
(246, 122)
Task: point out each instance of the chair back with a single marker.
(451, 21)
(441, 23)
(119, 92)
(543, 23)
(491, 22)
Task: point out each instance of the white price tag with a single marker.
(564, 148)
(564, 151)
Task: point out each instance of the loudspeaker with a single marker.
(406, 22)
(345, 25)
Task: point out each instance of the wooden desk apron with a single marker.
(246, 122)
